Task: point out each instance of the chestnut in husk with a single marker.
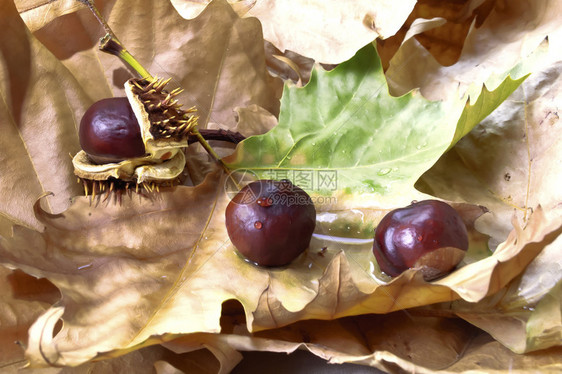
(429, 235)
(135, 140)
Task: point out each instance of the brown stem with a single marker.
(220, 134)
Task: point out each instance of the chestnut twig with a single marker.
(219, 134)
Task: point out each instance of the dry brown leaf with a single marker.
(192, 8)
(509, 33)
(524, 316)
(510, 163)
(328, 32)
(211, 56)
(40, 103)
(38, 13)
(288, 65)
(400, 342)
(149, 360)
(254, 120)
(22, 300)
(107, 253)
(438, 26)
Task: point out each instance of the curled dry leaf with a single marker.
(288, 65)
(440, 27)
(396, 342)
(525, 315)
(23, 299)
(41, 102)
(327, 31)
(148, 360)
(509, 33)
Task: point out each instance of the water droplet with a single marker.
(384, 171)
(258, 225)
(420, 146)
(264, 202)
(420, 238)
(84, 266)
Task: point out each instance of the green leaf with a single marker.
(495, 91)
(486, 103)
(345, 122)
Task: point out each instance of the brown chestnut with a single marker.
(109, 131)
(271, 222)
(429, 235)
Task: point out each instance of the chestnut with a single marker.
(271, 222)
(429, 235)
(110, 132)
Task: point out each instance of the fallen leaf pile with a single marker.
(151, 282)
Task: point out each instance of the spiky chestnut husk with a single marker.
(164, 128)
